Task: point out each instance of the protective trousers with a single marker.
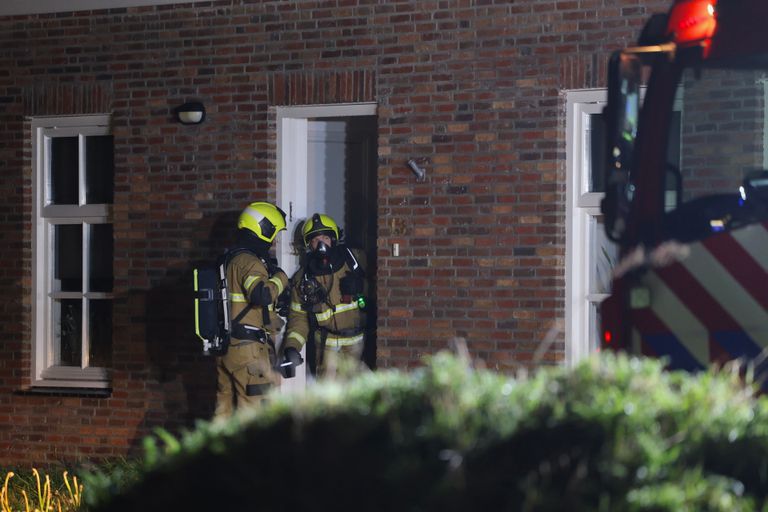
(334, 350)
(244, 376)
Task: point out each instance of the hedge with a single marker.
(613, 434)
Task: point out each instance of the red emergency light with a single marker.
(693, 21)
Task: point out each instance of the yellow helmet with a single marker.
(320, 224)
(264, 220)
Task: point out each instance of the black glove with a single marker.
(291, 359)
(283, 305)
(351, 284)
(260, 295)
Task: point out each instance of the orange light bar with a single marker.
(693, 21)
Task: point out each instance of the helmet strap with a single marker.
(248, 240)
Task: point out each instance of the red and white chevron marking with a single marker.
(711, 305)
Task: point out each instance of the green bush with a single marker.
(613, 434)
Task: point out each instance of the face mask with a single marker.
(321, 256)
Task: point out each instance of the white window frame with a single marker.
(582, 212)
(582, 209)
(44, 371)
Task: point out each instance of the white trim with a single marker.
(54, 122)
(75, 211)
(589, 200)
(16, 7)
(291, 180)
(335, 110)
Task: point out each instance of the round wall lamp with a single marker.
(192, 112)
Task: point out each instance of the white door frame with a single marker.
(292, 144)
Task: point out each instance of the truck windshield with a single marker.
(716, 179)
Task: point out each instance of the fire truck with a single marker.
(686, 195)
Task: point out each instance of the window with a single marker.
(73, 191)
(590, 255)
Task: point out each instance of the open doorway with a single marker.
(327, 162)
(341, 181)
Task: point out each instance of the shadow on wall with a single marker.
(181, 380)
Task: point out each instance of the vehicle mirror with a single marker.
(755, 187)
(621, 114)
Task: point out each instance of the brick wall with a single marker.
(722, 130)
(474, 88)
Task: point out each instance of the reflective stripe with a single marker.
(239, 298)
(298, 337)
(296, 306)
(341, 341)
(325, 315)
(250, 280)
(256, 215)
(278, 283)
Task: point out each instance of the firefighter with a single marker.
(327, 300)
(255, 282)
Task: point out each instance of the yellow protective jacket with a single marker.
(340, 317)
(245, 273)
(244, 372)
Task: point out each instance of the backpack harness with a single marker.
(212, 309)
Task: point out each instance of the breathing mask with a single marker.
(321, 255)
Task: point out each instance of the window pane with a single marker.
(100, 276)
(64, 165)
(68, 257)
(99, 169)
(605, 256)
(68, 314)
(100, 332)
(596, 152)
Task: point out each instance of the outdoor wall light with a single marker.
(417, 170)
(192, 112)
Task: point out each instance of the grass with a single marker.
(38, 492)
